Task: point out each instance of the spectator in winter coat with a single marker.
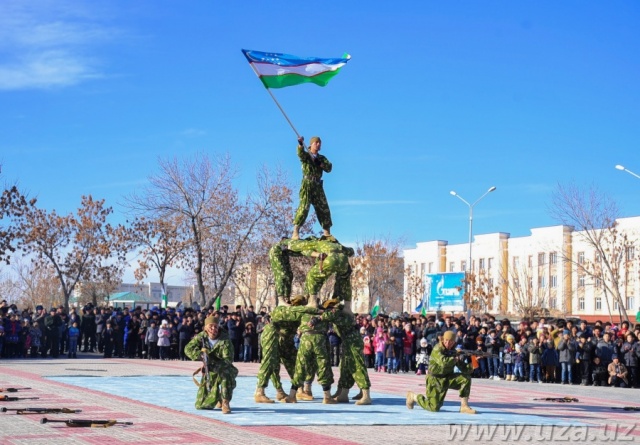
(617, 373)
(164, 340)
(631, 350)
(585, 353)
(567, 355)
(151, 340)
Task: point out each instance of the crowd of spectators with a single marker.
(560, 351)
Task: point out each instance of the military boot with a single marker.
(412, 399)
(366, 399)
(226, 409)
(304, 393)
(291, 398)
(343, 395)
(327, 400)
(280, 394)
(357, 396)
(260, 396)
(326, 232)
(313, 301)
(464, 406)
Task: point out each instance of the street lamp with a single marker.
(469, 269)
(621, 167)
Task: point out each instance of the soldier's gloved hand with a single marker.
(301, 140)
(203, 350)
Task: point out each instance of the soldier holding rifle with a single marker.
(441, 376)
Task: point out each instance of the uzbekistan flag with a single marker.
(283, 70)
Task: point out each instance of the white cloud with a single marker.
(46, 44)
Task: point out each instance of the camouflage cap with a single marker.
(211, 320)
(448, 335)
(298, 300)
(313, 139)
(330, 303)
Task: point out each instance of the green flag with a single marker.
(376, 309)
(218, 303)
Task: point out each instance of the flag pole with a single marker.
(278, 104)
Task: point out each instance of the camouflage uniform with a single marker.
(352, 367)
(313, 353)
(281, 267)
(277, 347)
(335, 260)
(311, 190)
(441, 377)
(222, 373)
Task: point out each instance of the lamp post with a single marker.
(621, 167)
(469, 269)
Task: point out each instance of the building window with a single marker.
(553, 258)
(629, 303)
(552, 302)
(541, 259)
(490, 283)
(430, 268)
(598, 303)
(581, 304)
(516, 282)
(598, 283)
(553, 281)
(530, 261)
(463, 265)
(580, 257)
(631, 253)
(489, 263)
(581, 281)
(516, 261)
(615, 305)
(452, 266)
(422, 267)
(481, 263)
(542, 282)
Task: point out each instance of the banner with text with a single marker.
(444, 292)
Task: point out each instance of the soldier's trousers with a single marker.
(352, 368)
(313, 352)
(312, 193)
(437, 390)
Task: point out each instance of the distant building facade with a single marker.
(538, 263)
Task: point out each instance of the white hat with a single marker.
(164, 322)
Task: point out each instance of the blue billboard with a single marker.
(443, 292)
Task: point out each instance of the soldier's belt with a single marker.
(316, 179)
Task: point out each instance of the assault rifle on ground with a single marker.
(82, 423)
(15, 399)
(627, 408)
(559, 399)
(12, 389)
(41, 410)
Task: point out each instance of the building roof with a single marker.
(126, 297)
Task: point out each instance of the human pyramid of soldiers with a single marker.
(302, 312)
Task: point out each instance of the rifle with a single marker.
(15, 399)
(41, 410)
(12, 389)
(559, 399)
(205, 364)
(82, 423)
(627, 408)
(473, 354)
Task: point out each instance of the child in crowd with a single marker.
(518, 364)
(390, 354)
(599, 375)
(380, 346)
(422, 357)
(151, 340)
(164, 340)
(535, 353)
(73, 334)
(368, 350)
(36, 339)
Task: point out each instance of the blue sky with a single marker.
(438, 96)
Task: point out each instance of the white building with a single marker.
(548, 263)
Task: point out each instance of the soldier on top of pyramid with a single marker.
(311, 189)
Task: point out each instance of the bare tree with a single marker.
(414, 287)
(74, 246)
(162, 242)
(530, 299)
(378, 271)
(34, 285)
(13, 204)
(594, 216)
(195, 193)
